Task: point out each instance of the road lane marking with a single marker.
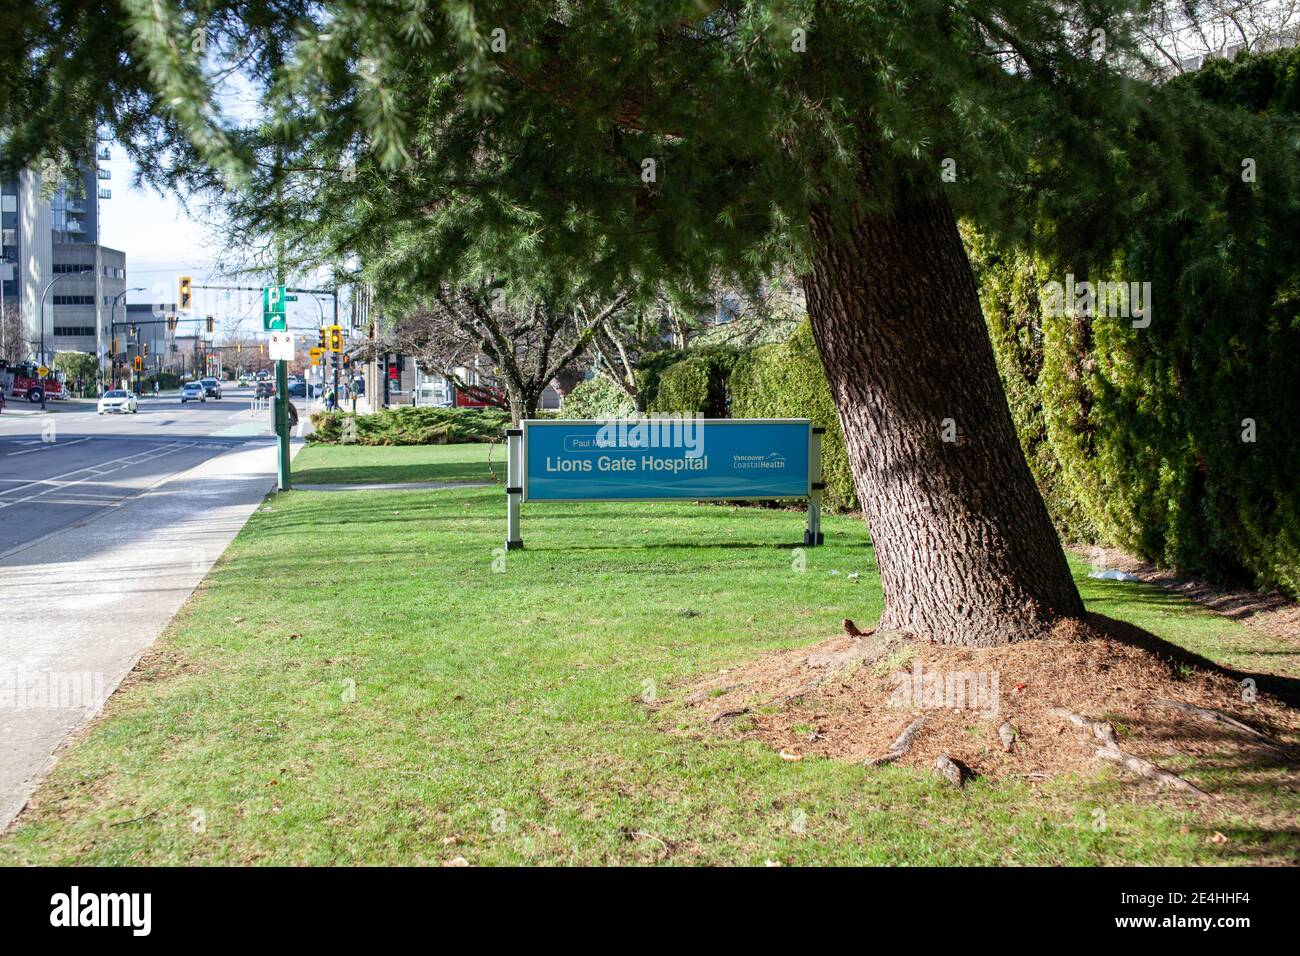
(57, 482)
(47, 444)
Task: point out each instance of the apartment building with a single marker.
(54, 238)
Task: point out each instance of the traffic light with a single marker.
(171, 323)
(336, 338)
(323, 343)
(113, 350)
(145, 349)
(139, 364)
(186, 296)
(131, 329)
(210, 325)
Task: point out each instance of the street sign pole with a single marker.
(274, 319)
(282, 473)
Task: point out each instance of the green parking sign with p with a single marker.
(273, 300)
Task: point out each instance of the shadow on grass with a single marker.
(381, 474)
(1284, 688)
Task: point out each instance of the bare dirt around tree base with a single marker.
(850, 698)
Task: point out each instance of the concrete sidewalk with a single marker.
(77, 625)
(20, 406)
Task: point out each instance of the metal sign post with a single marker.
(813, 536)
(514, 486)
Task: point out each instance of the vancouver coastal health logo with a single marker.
(771, 460)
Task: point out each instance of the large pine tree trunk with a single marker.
(966, 550)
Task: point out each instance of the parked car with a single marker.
(245, 381)
(193, 392)
(118, 400)
(301, 389)
(211, 387)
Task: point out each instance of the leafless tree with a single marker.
(13, 348)
(1188, 32)
(519, 346)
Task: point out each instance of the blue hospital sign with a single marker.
(690, 459)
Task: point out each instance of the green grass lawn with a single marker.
(357, 683)
(376, 464)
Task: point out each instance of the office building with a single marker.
(44, 238)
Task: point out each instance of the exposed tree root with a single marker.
(901, 745)
(704, 693)
(1100, 729)
(1145, 768)
(1007, 734)
(951, 770)
(1110, 750)
(1210, 716)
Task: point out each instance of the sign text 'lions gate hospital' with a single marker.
(674, 458)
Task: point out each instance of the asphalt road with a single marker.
(61, 468)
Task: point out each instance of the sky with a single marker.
(160, 240)
(163, 241)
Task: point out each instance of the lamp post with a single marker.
(48, 285)
(112, 332)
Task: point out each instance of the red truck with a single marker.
(22, 381)
(480, 396)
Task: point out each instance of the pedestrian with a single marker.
(155, 388)
(329, 399)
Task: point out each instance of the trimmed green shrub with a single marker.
(648, 371)
(410, 425)
(689, 393)
(1009, 295)
(597, 398)
(1176, 441)
(698, 383)
(787, 381)
(685, 389)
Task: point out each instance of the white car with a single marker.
(118, 400)
(193, 392)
